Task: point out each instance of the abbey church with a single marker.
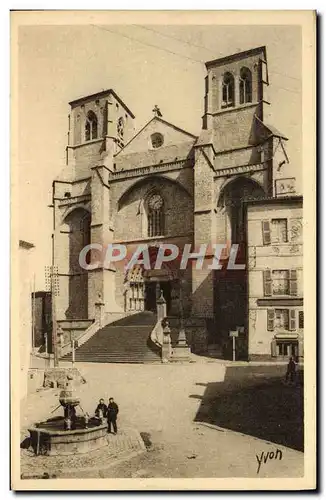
(161, 184)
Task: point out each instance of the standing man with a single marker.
(290, 372)
(112, 414)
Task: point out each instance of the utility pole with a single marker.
(51, 280)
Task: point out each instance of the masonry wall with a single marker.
(131, 219)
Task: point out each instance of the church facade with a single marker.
(163, 184)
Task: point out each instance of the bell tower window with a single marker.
(91, 126)
(228, 91)
(245, 86)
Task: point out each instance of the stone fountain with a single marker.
(69, 434)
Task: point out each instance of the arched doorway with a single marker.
(144, 286)
(79, 223)
(230, 285)
(232, 199)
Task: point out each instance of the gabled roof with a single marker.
(158, 119)
(98, 95)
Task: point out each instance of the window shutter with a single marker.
(270, 320)
(266, 230)
(267, 274)
(293, 282)
(273, 348)
(292, 325)
(301, 320)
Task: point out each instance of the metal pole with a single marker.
(181, 306)
(73, 353)
(54, 318)
(233, 348)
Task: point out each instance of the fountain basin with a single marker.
(50, 438)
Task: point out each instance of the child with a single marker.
(101, 409)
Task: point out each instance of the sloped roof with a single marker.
(100, 94)
(237, 55)
(156, 118)
(274, 131)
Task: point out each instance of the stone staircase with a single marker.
(124, 341)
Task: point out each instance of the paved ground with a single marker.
(120, 448)
(163, 402)
(256, 401)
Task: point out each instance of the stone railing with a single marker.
(160, 334)
(157, 334)
(101, 319)
(149, 169)
(87, 334)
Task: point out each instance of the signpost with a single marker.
(233, 334)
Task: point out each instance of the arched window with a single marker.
(91, 126)
(155, 215)
(228, 90)
(245, 86)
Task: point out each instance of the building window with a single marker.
(120, 127)
(155, 215)
(280, 282)
(157, 140)
(78, 130)
(279, 230)
(228, 90)
(274, 231)
(301, 319)
(91, 126)
(245, 86)
(136, 297)
(281, 319)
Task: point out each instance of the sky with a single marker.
(145, 65)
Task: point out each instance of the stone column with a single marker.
(100, 312)
(161, 307)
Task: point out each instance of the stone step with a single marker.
(125, 341)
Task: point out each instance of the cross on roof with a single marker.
(157, 112)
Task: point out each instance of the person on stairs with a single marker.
(112, 415)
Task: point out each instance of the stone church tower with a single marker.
(237, 157)
(164, 184)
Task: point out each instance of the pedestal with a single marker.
(181, 351)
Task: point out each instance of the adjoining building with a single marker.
(165, 184)
(26, 274)
(275, 277)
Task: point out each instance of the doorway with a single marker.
(152, 293)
